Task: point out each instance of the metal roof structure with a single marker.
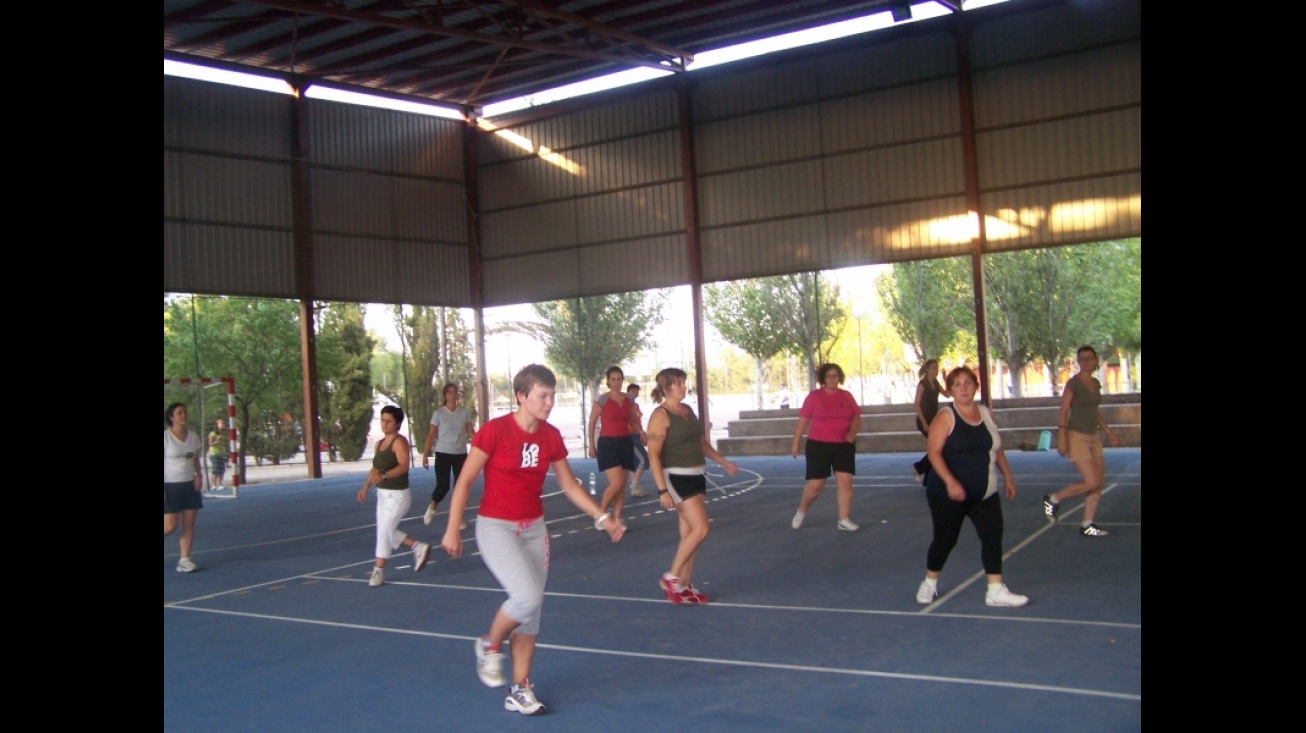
(469, 53)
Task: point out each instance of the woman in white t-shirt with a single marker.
(451, 428)
(182, 481)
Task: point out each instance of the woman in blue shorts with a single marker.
(612, 447)
(183, 482)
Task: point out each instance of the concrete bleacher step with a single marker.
(891, 428)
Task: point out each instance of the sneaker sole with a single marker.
(419, 561)
(847, 529)
(511, 706)
(988, 602)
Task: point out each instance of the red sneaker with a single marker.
(669, 588)
(691, 595)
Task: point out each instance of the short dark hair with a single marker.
(532, 375)
(822, 370)
(632, 387)
(394, 411)
(167, 414)
(608, 374)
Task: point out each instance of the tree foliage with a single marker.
(801, 314)
(253, 340)
(1045, 303)
(742, 312)
(929, 303)
(344, 366)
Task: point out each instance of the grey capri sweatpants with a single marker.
(517, 554)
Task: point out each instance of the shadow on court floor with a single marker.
(808, 630)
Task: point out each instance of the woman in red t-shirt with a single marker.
(517, 450)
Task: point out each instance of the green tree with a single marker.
(414, 389)
(929, 303)
(253, 340)
(344, 364)
(1045, 303)
(582, 337)
(742, 312)
(456, 363)
(808, 310)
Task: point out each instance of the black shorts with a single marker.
(613, 452)
(180, 496)
(683, 487)
(823, 456)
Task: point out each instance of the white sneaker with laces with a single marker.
(429, 515)
(421, 553)
(378, 578)
(521, 699)
(848, 525)
(489, 665)
(926, 594)
(798, 520)
(184, 565)
(1000, 596)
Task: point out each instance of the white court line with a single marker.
(981, 574)
(703, 660)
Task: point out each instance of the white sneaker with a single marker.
(377, 579)
(798, 519)
(462, 525)
(637, 490)
(429, 515)
(1003, 597)
(489, 665)
(421, 553)
(521, 699)
(848, 525)
(184, 565)
(926, 594)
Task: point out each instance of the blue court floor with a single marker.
(808, 630)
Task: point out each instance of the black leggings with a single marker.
(948, 515)
(444, 463)
(923, 465)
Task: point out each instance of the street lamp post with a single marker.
(858, 313)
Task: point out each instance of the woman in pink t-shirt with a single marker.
(835, 419)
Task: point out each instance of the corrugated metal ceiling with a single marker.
(469, 53)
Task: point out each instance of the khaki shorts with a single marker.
(1083, 447)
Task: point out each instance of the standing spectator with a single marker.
(389, 475)
(612, 448)
(451, 428)
(638, 439)
(183, 481)
(678, 452)
(784, 397)
(1078, 440)
(965, 447)
(835, 419)
(928, 390)
(516, 451)
(217, 455)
